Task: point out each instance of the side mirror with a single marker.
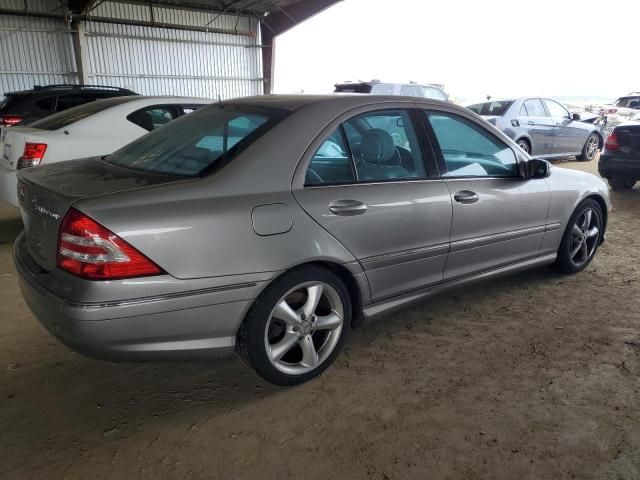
(576, 116)
(538, 168)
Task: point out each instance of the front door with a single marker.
(569, 138)
(375, 189)
(498, 217)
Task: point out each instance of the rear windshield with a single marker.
(353, 88)
(204, 140)
(628, 102)
(74, 114)
(491, 108)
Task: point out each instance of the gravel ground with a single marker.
(535, 376)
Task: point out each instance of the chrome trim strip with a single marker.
(553, 226)
(394, 258)
(158, 298)
(469, 243)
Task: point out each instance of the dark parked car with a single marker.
(376, 87)
(27, 106)
(543, 127)
(620, 160)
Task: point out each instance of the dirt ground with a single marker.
(535, 376)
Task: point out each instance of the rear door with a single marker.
(371, 181)
(539, 126)
(498, 217)
(569, 137)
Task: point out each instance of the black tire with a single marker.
(523, 143)
(588, 153)
(250, 341)
(565, 262)
(619, 184)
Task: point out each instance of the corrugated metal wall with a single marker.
(151, 61)
(35, 51)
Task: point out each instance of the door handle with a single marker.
(466, 196)
(531, 122)
(347, 208)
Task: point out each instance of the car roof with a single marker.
(337, 100)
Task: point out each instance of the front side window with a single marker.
(469, 150)
(534, 108)
(205, 140)
(433, 92)
(411, 91)
(382, 88)
(555, 109)
(373, 147)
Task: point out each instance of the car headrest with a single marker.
(377, 147)
(143, 119)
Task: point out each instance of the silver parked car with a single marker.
(272, 225)
(543, 127)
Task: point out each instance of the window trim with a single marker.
(544, 107)
(424, 145)
(544, 102)
(442, 164)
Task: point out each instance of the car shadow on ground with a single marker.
(9, 229)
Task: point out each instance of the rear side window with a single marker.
(376, 146)
(48, 103)
(469, 150)
(383, 88)
(203, 141)
(534, 108)
(68, 101)
(411, 90)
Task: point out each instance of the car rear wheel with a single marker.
(524, 145)
(297, 326)
(590, 148)
(618, 183)
(581, 237)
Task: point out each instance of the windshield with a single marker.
(204, 140)
(74, 114)
(628, 102)
(497, 108)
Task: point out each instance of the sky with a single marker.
(502, 48)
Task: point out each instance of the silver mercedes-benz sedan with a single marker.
(271, 225)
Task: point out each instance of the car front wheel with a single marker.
(581, 237)
(296, 327)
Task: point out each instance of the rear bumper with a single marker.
(170, 331)
(611, 166)
(8, 186)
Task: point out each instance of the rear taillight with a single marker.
(89, 250)
(612, 143)
(32, 155)
(10, 120)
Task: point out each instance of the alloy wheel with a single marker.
(592, 146)
(524, 146)
(585, 235)
(304, 328)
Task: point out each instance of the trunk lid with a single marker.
(629, 139)
(46, 193)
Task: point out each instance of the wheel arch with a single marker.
(603, 206)
(343, 273)
(526, 139)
